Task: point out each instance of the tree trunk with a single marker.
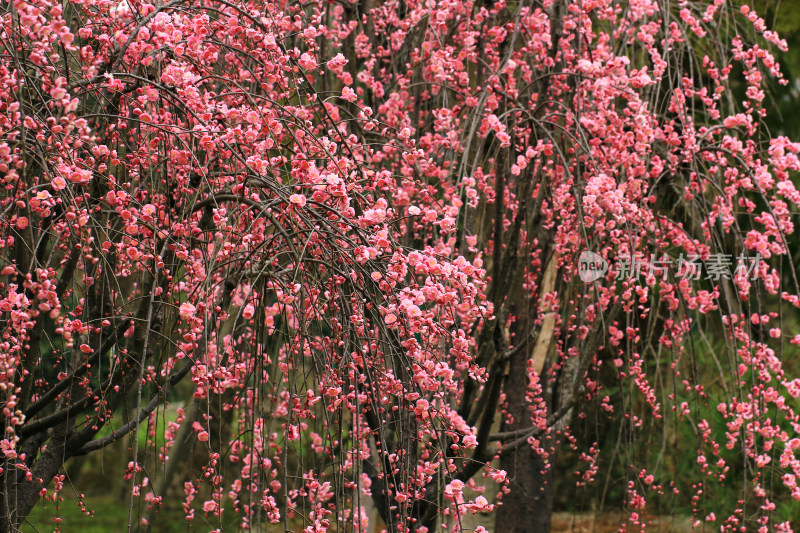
(20, 494)
(529, 505)
(528, 508)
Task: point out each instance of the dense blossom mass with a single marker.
(344, 237)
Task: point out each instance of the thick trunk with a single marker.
(529, 505)
(528, 508)
(21, 494)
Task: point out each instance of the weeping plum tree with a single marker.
(352, 230)
(178, 206)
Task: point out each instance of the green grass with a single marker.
(111, 516)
